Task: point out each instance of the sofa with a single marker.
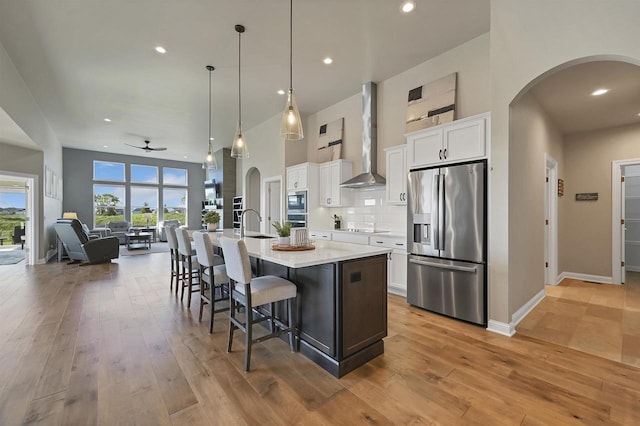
(162, 225)
(118, 229)
(81, 248)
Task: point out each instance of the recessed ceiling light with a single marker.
(161, 49)
(185, 156)
(108, 120)
(212, 139)
(281, 92)
(327, 61)
(105, 146)
(408, 6)
(599, 92)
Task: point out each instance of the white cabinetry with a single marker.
(350, 237)
(397, 174)
(301, 176)
(332, 174)
(460, 140)
(320, 235)
(397, 264)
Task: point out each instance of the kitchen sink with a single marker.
(262, 237)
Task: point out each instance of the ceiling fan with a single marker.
(146, 147)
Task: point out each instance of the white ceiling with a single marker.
(85, 60)
(566, 96)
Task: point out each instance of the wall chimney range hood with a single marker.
(368, 178)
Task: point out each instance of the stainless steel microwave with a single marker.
(297, 202)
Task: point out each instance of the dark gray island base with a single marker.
(342, 310)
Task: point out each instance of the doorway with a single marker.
(18, 229)
(625, 218)
(551, 221)
(273, 206)
(252, 199)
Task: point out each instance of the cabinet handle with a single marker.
(328, 200)
(445, 153)
(399, 244)
(440, 154)
(379, 242)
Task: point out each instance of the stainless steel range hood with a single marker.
(368, 177)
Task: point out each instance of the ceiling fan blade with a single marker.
(157, 149)
(135, 146)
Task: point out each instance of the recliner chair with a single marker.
(82, 249)
(118, 229)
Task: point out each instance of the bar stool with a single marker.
(190, 265)
(213, 276)
(172, 240)
(251, 293)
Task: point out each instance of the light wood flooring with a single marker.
(111, 345)
(600, 319)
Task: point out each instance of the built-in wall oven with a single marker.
(297, 209)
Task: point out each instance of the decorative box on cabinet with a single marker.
(460, 140)
(332, 174)
(396, 175)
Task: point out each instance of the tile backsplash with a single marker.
(369, 211)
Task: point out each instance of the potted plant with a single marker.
(284, 232)
(211, 218)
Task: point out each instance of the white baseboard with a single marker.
(526, 308)
(398, 291)
(501, 328)
(585, 277)
(633, 268)
(510, 329)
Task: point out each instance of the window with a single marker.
(175, 204)
(144, 174)
(13, 205)
(174, 177)
(109, 203)
(104, 170)
(144, 206)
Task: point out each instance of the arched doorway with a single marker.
(584, 115)
(252, 199)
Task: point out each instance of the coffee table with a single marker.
(137, 240)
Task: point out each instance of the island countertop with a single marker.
(325, 251)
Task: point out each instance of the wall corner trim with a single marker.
(510, 329)
(501, 328)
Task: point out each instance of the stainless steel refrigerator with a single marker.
(446, 234)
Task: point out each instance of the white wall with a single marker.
(266, 153)
(16, 100)
(529, 38)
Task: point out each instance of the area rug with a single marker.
(155, 248)
(11, 256)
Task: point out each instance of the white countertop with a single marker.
(325, 251)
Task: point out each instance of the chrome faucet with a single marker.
(242, 220)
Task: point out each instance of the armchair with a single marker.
(118, 229)
(162, 225)
(16, 237)
(80, 248)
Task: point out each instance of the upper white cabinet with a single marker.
(397, 174)
(301, 176)
(460, 140)
(332, 174)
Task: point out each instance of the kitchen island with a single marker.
(342, 297)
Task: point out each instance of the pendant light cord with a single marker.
(209, 110)
(291, 45)
(239, 82)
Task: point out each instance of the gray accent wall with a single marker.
(77, 189)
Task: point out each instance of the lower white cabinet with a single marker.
(350, 237)
(397, 263)
(319, 235)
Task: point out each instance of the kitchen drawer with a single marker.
(319, 235)
(399, 243)
(350, 237)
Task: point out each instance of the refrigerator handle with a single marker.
(441, 223)
(435, 212)
(472, 269)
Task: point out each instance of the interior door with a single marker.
(546, 226)
(273, 213)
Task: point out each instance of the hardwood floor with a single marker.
(600, 319)
(111, 345)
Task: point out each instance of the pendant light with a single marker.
(210, 160)
(239, 148)
(291, 127)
